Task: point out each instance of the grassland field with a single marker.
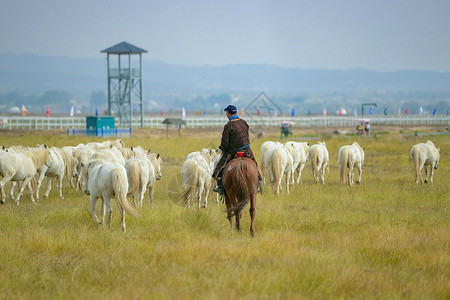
(386, 238)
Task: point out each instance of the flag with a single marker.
(309, 113)
(434, 111)
(293, 112)
(203, 113)
(24, 110)
(370, 111)
(183, 113)
(399, 112)
(258, 113)
(324, 112)
(48, 111)
(71, 111)
(160, 111)
(406, 111)
(242, 111)
(340, 111)
(385, 111)
(275, 113)
(420, 110)
(355, 112)
(96, 112)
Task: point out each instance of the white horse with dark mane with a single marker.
(299, 152)
(21, 167)
(105, 180)
(424, 155)
(318, 156)
(62, 164)
(350, 156)
(278, 162)
(196, 173)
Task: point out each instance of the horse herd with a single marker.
(109, 169)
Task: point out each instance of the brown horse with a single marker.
(240, 182)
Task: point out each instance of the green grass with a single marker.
(386, 238)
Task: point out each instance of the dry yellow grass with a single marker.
(386, 238)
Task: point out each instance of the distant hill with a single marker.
(32, 73)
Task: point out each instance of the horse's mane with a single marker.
(39, 155)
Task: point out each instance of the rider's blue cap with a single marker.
(231, 109)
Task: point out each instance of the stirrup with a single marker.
(218, 189)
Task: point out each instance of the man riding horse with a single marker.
(235, 139)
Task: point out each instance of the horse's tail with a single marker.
(69, 163)
(314, 157)
(276, 167)
(192, 182)
(415, 156)
(243, 186)
(119, 183)
(343, 163)
(133, 175)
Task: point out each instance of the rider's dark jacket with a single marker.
(235, 139)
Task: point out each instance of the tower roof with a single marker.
(124, 48)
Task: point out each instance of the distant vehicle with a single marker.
(363, 127)
(286, 129)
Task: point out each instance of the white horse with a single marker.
(112, 154)
(196, 173)
(61, 164)
(141, 175)
(299, 152)
(318, 155)
(21, 167)
(350, 156)
(263, 152)
(424, 155)
(279, 162)
(105, 180)
(106, 144)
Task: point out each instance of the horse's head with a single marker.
(438, 155)
(156, 161)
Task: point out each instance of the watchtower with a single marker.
(125, 82)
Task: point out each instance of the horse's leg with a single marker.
(122, 220)
(49, 186)
(252, 213)
(322, 172)
(92, 210)
(238, 221)
(11, 191)
(22, 188)
(207, 189)
(150, 195)
(5, 180)
(300, 169)
(103, 210)
(288, 175)
(41, 173)
(350, 175)
(359, 174)
(107, 201)
(59, 180)
(431, 172)
(30, 191)
(199, 196)
(426, 173)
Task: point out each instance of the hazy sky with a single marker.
(374, 34)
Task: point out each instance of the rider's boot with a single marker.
(219, 187)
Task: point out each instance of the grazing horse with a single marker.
(21, 167)
(424, 155)
(105, 180)
(240, 183)
(350, 156)
(318, 155)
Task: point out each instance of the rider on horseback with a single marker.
(234, 139)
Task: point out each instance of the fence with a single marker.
(100, 132)
(43, 123)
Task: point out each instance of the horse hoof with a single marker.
(426, 181)
(358, 182)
